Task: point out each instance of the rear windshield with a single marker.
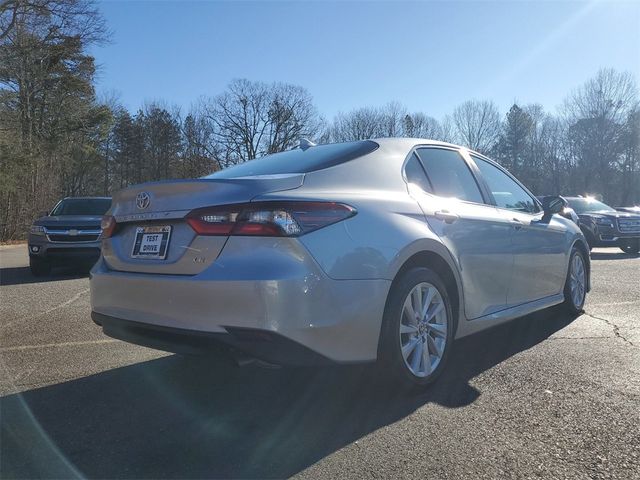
(82, 206)
(584, 205)
(299, 161)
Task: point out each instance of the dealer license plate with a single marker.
(151, 242)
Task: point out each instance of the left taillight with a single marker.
(108, 226)
(267, 219)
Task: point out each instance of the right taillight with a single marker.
(268, 219)
(108, 226)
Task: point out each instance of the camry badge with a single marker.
(142, 200)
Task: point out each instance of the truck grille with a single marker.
(629, 225)
(76, 238)
(73, 234)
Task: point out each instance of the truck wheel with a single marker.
(39, 267)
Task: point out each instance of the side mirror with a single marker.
(553, 204)
(43, 214)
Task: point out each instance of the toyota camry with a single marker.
(370, 251)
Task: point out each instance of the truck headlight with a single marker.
(603, 221)
(37, 230)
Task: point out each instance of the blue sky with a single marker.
(429, 56)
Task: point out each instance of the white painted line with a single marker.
(611, 304)
(52, 309)
(19, 348)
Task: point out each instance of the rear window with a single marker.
(298, 160)
(82, 206)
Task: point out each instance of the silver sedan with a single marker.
(383, 250)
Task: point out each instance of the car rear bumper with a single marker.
(290, 298)
(261, 344)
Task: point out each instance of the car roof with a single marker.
(409, 142)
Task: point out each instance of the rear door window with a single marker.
(415, 174)
(449, 174)
(506, 192)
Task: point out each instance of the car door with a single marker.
(539, 246)
(476, 234)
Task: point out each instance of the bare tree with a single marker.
(629, 162)
(610, 95)
(254, 118)
(477, 124)
(370, 122)
(596, 115)
(392, 116)
(447, 130)
(200, 150)
(358, 124)
(52, 20)
(419, 125)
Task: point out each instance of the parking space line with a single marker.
(52, 309)
(53, 345)
(611, 304)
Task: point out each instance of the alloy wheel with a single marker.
(578, 280)
(423, 329)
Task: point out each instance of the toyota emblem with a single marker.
(143, 200)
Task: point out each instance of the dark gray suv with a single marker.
(70, 233)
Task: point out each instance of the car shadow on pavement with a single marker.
(177, 417)
(22, 275)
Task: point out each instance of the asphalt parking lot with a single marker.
(546, 396)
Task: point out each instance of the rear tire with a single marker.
(630, 246)
(417, 329)
(575, 287)
(39, 267)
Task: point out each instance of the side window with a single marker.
(449, 174)
(507, 193)
(415, 174)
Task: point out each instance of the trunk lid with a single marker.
(180, 195)
(166, 204)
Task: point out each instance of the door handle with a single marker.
(517, 224)
(446, 215)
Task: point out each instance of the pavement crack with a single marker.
(616, 329)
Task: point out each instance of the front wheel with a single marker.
(418, 329)
(631, 246)
(575, 288)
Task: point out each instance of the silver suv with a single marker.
(366, 251)
(70, 233)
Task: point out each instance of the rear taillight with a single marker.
(108, 226)
(268, 219)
